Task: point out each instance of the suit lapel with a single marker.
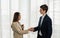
(43, 20)
(40, 20)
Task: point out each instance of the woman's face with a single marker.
(19, 17)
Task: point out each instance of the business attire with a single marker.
(17, 30)
(44, 27)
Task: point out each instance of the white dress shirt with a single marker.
(41, 23)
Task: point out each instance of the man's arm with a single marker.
(49, 28)
(34, 28)
(37, 28)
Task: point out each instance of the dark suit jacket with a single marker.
(46, 27)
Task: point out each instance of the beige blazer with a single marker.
(17, 30)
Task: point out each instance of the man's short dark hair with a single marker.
(44, 7)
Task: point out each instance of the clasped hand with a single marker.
(31, 29)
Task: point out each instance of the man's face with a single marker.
(42, 11)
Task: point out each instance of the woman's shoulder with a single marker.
(14, 22)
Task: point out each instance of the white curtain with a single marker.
(29, 10)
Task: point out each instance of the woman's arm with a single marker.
(18, 29)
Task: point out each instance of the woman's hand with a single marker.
(22, 26)
(31, 29)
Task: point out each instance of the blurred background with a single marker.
(29, 10)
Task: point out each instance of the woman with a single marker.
(16, 26)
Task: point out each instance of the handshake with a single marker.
(31, 29)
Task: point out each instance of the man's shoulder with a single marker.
(48, 18)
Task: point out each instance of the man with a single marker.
(44, 27)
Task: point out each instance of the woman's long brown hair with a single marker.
(15, 18)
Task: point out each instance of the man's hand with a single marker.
(31, 29)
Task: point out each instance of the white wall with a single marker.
(5, 19)
(57, 18)
(0, 20)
